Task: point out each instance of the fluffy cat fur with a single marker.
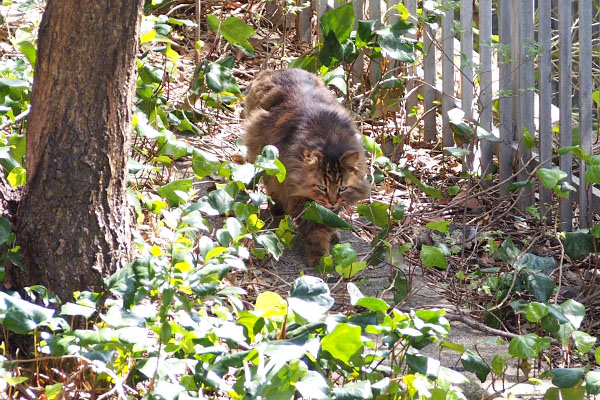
(318, 143)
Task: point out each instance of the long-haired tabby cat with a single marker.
(318, 143)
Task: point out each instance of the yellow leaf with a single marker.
(270, 304)
(155, 251)
(148, 36)
(183, 266)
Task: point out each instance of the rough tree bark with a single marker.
(73, 222)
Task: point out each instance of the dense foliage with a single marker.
(175, 325)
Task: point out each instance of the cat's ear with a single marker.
(350, 159)
(311, 157)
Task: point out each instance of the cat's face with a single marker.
(332, 184)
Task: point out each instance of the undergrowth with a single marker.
(174, 324)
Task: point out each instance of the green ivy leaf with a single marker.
(16, 84)
(220, 78)
(338, 20)
(309, 298)
(350, 270)
(394, 43)
(354, 391)
(204, 164)
(592, 382)
(440, 226)
(17, 177)
(575, 393)
(365, 32)
(317, 213)
(343, 343)
(592, 174)
(173, 191)
(5, 230)
(220, 200)
(566, 377)
(343, 253)
(524, 346)
(550, 177)
(271, 242)
(578, 244)
(243, 173)
(331, 52)
(373, 304)
(20, 316)
(269, 162)
(313, 386)
(77, 309)
(429, 190)
(432, 256)
(583, 341)
(376, 212)
(336, 77)
(577, 151)
(574, 311)
(233, 29)
(508, 252)
(475, 364)
(52, 391)
(457, 152)
(535, 311)
(528, 138)
(29, 51)
(498, 364)
(482, 134)
(537, 283)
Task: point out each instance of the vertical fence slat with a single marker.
(515, 76)
(359, 64)
(392, 18)
(466, 76)
(466, 50)
(429, 127)
(485, 91)
(303, 25)
(392, 14)
(374, 13)
(526, 98)
(545, 102)
(447, 72)
(506, 121)
(585, 105)
(411, 100)
(565, 102)
(320, 7)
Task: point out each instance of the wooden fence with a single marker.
(514, 65)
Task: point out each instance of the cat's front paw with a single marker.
(335, 237)
(313, 259)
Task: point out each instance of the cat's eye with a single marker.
(342, 188)
(322, 188)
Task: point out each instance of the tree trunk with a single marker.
(73, 223)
